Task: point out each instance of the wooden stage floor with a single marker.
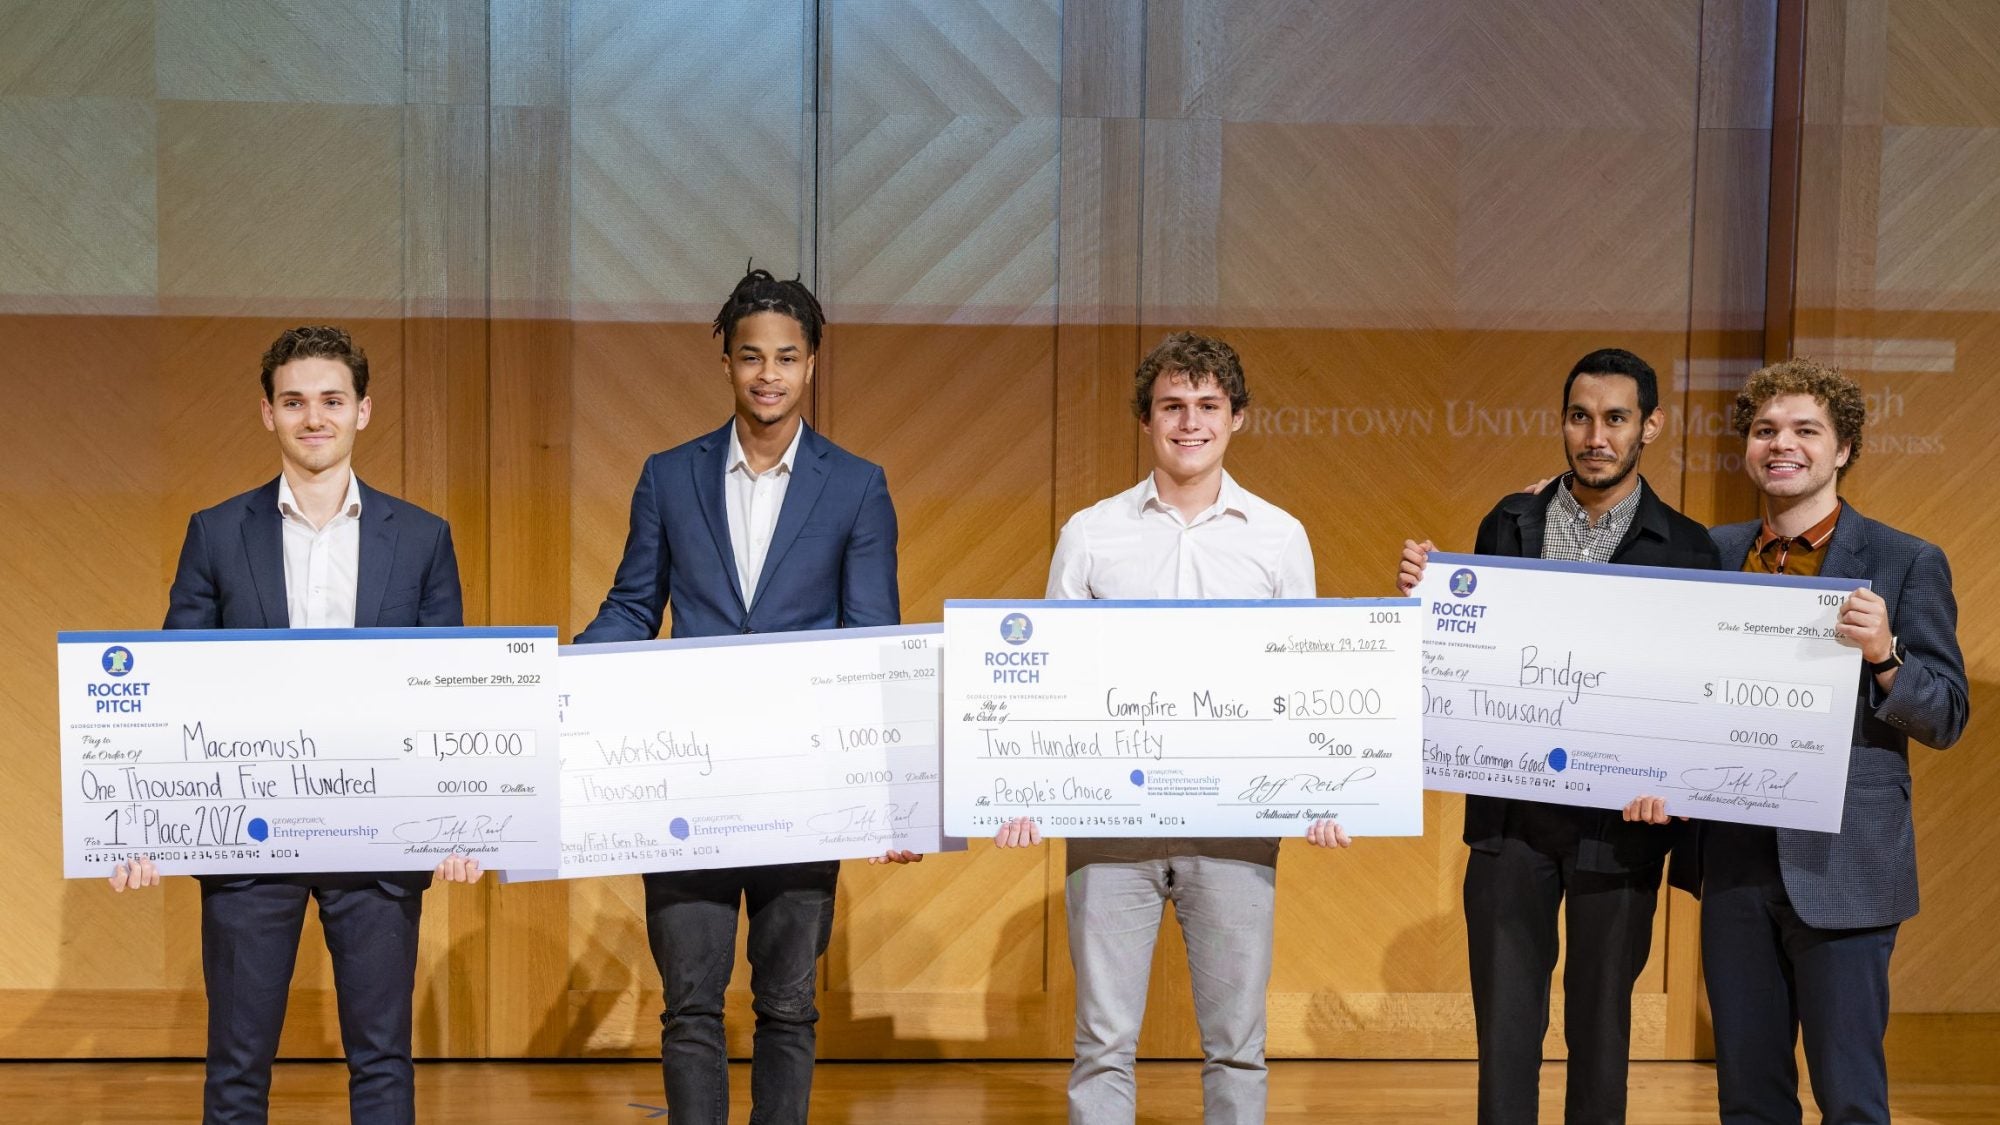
(949, 1093)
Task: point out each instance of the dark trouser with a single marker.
(691, 922)
(1511, 904)
(1770, 976)
(249, 946)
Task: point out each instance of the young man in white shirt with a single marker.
(1186, 531)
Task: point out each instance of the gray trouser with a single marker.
(1225, 911)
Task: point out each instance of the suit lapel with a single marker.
(264, 548)
(1846, 553)
(378, 551)
(808, 481)
(708, 466)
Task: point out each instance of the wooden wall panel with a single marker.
(1410, 218)
(1896, 283)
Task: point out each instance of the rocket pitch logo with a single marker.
(117, 695)
(1455, 615)
(1015, 665)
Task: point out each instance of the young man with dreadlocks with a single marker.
(762, 526)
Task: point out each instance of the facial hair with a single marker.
(1624, 468)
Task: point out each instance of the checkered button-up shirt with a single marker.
(1568, 535)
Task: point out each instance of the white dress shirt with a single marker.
(754, 500)
(322, 565)
(1135, 545)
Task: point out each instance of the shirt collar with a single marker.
(1812, 539)
(288, 502)
(1231, 498)
(1621, 513)
(737, 460)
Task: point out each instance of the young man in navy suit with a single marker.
(762, 526)
(314, 548)
(1797, 927)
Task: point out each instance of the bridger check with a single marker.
(744, 750)
(265, 751)
(1183, 718)
(1591, 684)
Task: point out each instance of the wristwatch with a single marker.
(1893, 660)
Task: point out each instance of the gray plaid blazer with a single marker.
(1866, 874)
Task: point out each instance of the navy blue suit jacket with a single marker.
(1866, 874)
(831, 562)
(232, 576)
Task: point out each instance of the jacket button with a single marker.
(748, 629)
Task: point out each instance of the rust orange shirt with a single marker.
(1792, 554)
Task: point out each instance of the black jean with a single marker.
(691, 923)
(1511, 903)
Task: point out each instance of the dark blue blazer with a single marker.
(232, 576)
(831, 563)
(1866, 874)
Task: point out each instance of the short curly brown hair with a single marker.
(317, 341)
(1199, 359)
(1839, 394)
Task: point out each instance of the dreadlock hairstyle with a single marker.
(759, 292)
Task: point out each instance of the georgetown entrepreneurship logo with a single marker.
(117, 660)
(1463, 582)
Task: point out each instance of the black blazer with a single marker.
(232, 576)
(1659, 536)
(1866, 874)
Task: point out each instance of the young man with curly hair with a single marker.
(1188, 530)
(1797, 927)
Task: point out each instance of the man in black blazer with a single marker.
(313, 548)
(1797, 927)
(1529, 857)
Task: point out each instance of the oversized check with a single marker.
(261, 751)
(1585, 684)
(744, 750)
(1183, 718)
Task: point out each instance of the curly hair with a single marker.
(317, 341)
(1839, 394)
(1197, 358)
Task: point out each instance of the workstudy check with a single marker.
(750, 749)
